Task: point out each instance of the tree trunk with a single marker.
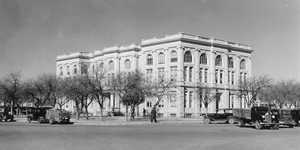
(132, 112)
(87, 112)
(126, 113)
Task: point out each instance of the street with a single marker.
(189, 136)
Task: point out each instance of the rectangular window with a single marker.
(245, 77)
(185, 73)
(190, 99)
(200, 75)
(229, 77)
(185, 98)
(172, 99)
(221, 76)
(232, 78)
(161, 73)
(190, 74)
(241, 77)
(205, 75)
(173, 73)
(216, 75)
(149, 74)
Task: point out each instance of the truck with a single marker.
(259, 116)
(289, 117)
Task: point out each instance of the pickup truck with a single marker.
(258, 116)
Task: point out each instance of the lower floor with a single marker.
(178, 102)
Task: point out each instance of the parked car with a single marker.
(37, 114)
(289, 117)
(5, 115)
(258, 116)
(224, 115)
(57, 116)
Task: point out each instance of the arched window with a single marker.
(149, 59)
(173, 56)
(127, 64)
(161, 58)
(243, 64)
(75, 69)
(68, 70)
(111, 65)
(187, 56)
(230, 62)
(218, 60)
(203, 59)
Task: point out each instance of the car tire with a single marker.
(207, 121)
(231, 121)
(51, 121)
(258, 126)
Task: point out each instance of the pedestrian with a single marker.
(153, 115)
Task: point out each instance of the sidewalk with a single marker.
(138, 121)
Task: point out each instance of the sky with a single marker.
(34, 32)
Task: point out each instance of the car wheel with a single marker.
(231, 121)
(51, 121)
(258, 126)
(206, 121)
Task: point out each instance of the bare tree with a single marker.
(281, 93)
(207, 95)
(158, 89)
(252, 87)
(131, 90)
(41, 91)
(97, 83)
(78, 91)
(10, 90)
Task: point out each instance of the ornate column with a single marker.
(196, 97)
(180, 89)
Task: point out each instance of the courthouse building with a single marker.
(188, 60)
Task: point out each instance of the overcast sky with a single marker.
(34, 32)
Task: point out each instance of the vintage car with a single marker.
(223, 115)
(37, 114)
(289, 117)
(57, 116)
(259, 116)
(5, 115)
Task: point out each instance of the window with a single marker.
(93, 68)
(241, 77)
(190, 99)
(149, 59)
(232, 78)
(68, 70)
(61, 71)
(229, 72)
(161, 103)
(161, 58)
(245, 77)
(149, 104)
(218, 60)
(161, 73)
(75, 69)
(190, 74)
(127, 64)
(149, 74)
(216, 75)
(187, 56)
(185, 98)
(173, 73)
(230, 62)
(221, 76)
(173, 56)
(200, 75)
(84, 69)
(172, 99)
(205, 75)
(101, 67)
(203, 59)
(185, 73)
(243, 64)
(111, 65)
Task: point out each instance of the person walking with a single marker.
(153, 115)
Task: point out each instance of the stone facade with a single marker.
(189, 60)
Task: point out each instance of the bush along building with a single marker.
(206, 72)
